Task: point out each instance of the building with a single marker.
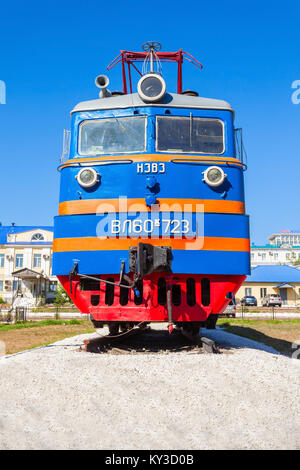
(26, 264)
(270, 254)
(283, 248)
(277, 279)
(289, 237)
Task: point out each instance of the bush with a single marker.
(2, 301)
(61, 297)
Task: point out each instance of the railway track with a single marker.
(147, 340)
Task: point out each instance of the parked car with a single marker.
(249, 300)
(271, 300)
(230, 310)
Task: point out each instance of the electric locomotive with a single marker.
(151, 224)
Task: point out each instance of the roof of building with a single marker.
(284, 234)
(133, 99)
(274, 273)
(26, 273)
(268, 246)
(10, 229)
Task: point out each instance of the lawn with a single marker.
(30, 335)
(280, 334)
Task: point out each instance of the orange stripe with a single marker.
(98, 244)
(157, 157)
(93, 206)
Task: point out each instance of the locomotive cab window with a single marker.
(115, 135)
(189, 135)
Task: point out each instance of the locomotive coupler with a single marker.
(146, 259)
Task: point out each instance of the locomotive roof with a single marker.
(170, 100)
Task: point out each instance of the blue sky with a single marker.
(50, 53)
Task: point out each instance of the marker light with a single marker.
(87, 177)
(151, 87)
(214, 176)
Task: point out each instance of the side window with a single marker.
(189, 135)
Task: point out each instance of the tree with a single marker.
(61, 296)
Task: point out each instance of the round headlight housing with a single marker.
(151, 87)
(87, 177)
(214, 176)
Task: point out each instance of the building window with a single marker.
(1, 286)
(263, 292)
(17, 284)
(37, 237)
(252, 255)
(19, 261)
(275, 256)
(248, 291)
(37, 260)
(1, 261)
(263, 256)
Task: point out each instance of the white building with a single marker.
(26, 264)
(284, 248)
(288, 237)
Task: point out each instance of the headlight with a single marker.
(214, 176)
(87, 177)
(151, 87)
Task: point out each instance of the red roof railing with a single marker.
(130, 59)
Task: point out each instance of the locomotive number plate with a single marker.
(158, 226)
(154, 167)
(148, 226)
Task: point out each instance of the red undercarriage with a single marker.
(194, 297)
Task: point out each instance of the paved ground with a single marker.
(58, 397)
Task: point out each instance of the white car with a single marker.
(230, 310)
(271, 300)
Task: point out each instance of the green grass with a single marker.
(33, 324)
(280, 334)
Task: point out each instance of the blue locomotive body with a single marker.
(166, 175)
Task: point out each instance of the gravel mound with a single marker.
(57, 397)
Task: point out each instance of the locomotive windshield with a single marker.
(114, 135)
(189, 135)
